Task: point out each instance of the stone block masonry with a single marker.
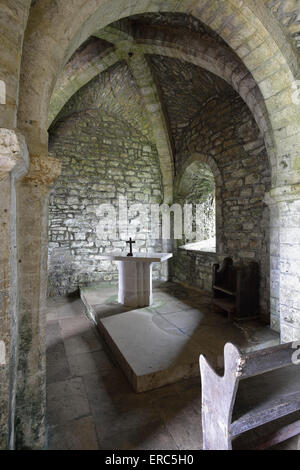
(103, 157)
(230, 140)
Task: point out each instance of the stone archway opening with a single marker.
(262, 47)
(110, 162)
(197, 188)
(153, 104)
(265, 51)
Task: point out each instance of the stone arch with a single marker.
(55, 31)
(210, 162)
(218, 60)
(214, 60)
(261, 45)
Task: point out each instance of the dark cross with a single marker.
(130, 242)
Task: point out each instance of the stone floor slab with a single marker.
(152, 436)
(161, 344)
(150, 350)
(66, 401)
(87, 341)
(90, 362)
(78, 434)
(58, 368)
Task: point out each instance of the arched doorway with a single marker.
(197, 187)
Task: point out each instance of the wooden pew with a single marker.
(256, 388)
(235, 289)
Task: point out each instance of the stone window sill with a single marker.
(205, 246)
(200, 252)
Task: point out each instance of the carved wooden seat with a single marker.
(236, 289)
(257, 388)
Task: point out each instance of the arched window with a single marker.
(196, 191)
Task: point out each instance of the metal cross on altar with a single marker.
(130, 242)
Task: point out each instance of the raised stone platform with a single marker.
(161, 344)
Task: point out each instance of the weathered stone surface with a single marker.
(5, 326)
(287, 12)
(13, 164)
(162, 341)
(30, 425)
(285, 274)
(32, 191)
(183, 102)
(13, 20)
(43, 171)
(105, 153)
(230, 143)
(12, 148)
(149, 35)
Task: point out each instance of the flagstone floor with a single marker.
(90, 404)
(160, 344)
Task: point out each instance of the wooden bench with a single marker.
(235, 289)
(256, 388)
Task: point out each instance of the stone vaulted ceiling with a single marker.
(113, 92)
(184, 87)
(173, 21)
(172, 89)
(185, 90)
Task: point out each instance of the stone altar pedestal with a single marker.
(135, 277)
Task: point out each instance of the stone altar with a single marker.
(135, 276)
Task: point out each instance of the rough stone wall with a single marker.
(194, 268)
(103, 157)
(227, 135)
(285, 256)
